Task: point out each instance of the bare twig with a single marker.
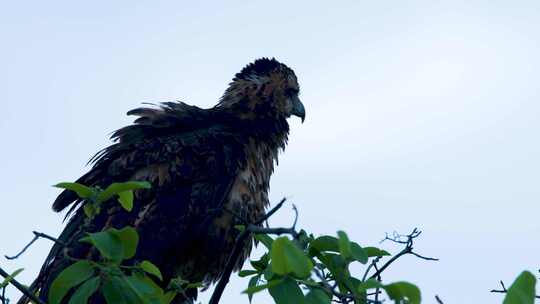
(438, 299)
(375, 260)
(504, 290)
(21, 288)
(271, 212)
(423, 257)
(295, 216)
(397, 238)
(37, 235)
(343, 298)
(256, 229)
(3, 297)
(278, 231)
(378, 279)
(235, 254)
(231, 263)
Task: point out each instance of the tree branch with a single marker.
(504, 290)
(3, 297)
(397, 238)
(235, 254)
(37, 235)
(20, 287)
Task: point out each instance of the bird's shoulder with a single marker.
(175, 143)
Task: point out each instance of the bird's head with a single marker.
(264, 89)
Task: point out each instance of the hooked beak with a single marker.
(298, 108)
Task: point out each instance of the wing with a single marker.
(182, 123)
(191, 168)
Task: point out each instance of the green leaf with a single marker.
(144, 288)
(252, 283)
(358, 253)
(10, 277)
(344, 244)
(268, 273)
(303, 239)
(246, 273)
(70, 277)
(168, 297)
(375, 252)
(125, 199)
(116, 291)
(317, 296)
(288, 258)
(260, 264)
(89, 210)
(257, 288)
(337, 266)
(115, 188)
(322, 244)
(114, 244)
(400, 291)
(240, 227)
(194, 285)
(83, 293)
(522, 291)
(150, 268)
(81, 190)
(369, 284)
(287, 292)
(265, 239)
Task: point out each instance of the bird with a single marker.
(209, 169)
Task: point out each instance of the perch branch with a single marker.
(235, 254)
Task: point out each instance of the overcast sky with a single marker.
(419, 114)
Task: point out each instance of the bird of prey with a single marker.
(207, 168)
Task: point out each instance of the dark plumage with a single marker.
(203, 164)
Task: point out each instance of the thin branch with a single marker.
(504, 290)
(232, 261)
(439, 301)
(397, 238)
(256, 229)
(260, 230)
(3, 297)
(423, 257)
(271, 212)
(37, 235)
(378, 279)
(375, 260)
(342, 297)
(21, 288)
(295, 216)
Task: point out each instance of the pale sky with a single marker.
(419, 114)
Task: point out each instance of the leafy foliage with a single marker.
(296, 267)
(95, 196)
(304, 269)
(118, 283)
(70, 277)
